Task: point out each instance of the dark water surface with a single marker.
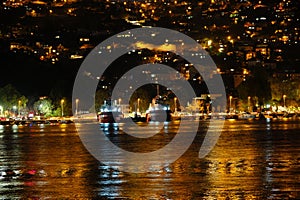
(252, 160)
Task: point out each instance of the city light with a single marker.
(209, 42)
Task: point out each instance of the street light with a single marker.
(138, 106)
(230, 103)
(175, 104)
(76, 105)
(120, 106)
(249, 103)
(15, 109)
(1, 110)
(284, 96)
(19, 107)
(40, 108)
(62, 107)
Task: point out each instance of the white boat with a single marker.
(158, 111)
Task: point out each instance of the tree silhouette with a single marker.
(257, 86)
(10, 97)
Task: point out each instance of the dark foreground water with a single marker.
(252, 160)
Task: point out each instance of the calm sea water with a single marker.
(252, 160)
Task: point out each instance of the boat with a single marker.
(246, 115)
(110, 113)
(232, 116)
(158, 111)
(6, 122)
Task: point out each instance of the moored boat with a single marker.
(158, 111)
(246, 115)
(110, 113)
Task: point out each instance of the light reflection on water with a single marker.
(252, 160)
